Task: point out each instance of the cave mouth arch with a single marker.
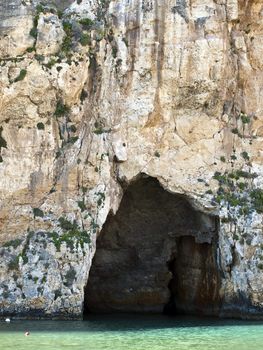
(157, 254)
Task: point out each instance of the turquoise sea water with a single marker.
(131, 332)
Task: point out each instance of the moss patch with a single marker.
(21, 75)
(13, 243)
(38, 212)
(61, 109)
(40, 126)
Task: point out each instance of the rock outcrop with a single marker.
(95, 93)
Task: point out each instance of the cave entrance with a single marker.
(157, 254)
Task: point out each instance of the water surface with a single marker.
(132, 332)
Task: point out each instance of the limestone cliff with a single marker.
(96, 95)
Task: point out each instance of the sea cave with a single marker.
(156, 255)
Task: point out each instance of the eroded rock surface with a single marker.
(93, 94)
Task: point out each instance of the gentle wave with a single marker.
(133, 332)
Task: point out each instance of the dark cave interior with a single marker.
(157, 254)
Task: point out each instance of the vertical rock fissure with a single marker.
(170, 307)
(195, 281)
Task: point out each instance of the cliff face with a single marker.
(97, 94)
